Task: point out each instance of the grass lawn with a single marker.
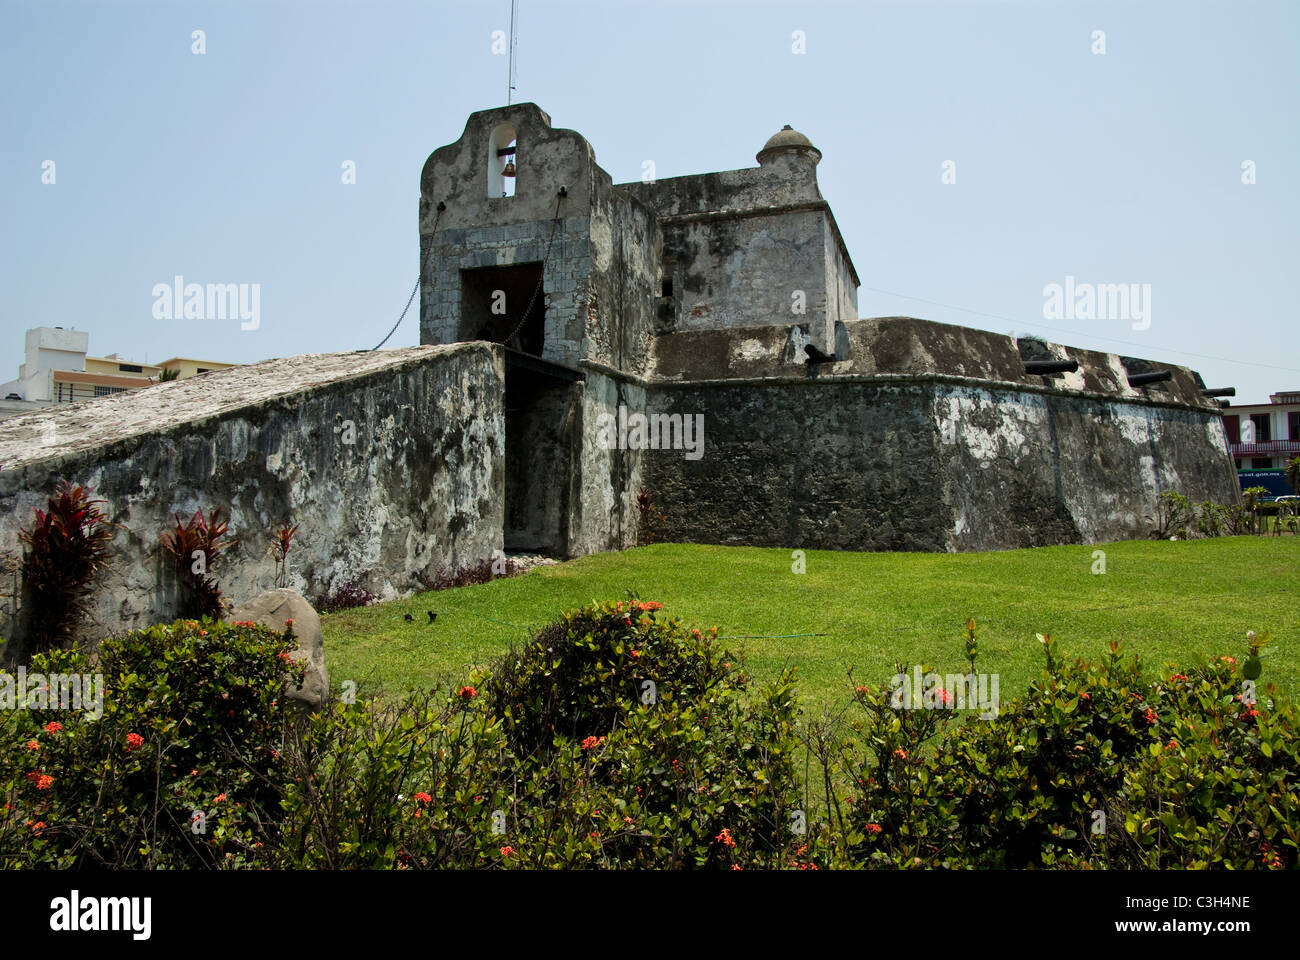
(1167, 601)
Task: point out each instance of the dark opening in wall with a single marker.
(539, 461)
(495, 305)
(1263, 427)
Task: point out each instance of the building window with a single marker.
(130, 368)
(1232, 427)
(204, 369)
(108, 391)
(1263, 433)
(1261, 463)
(1237, 463)
(1293, 424)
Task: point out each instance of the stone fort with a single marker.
(696, 338)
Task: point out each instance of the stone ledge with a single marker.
(65, 432)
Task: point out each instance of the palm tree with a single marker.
(1293, 474)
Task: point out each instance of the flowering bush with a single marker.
(1098, 766)
(191, 711)
(618, 738)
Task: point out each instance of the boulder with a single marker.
(271, 609)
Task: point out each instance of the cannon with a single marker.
(1044, 367)
(1155, 376)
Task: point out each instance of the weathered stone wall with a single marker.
(605, 479)
(599, 245)
(626, 246)
(929, 437)
(419, 489)
(738, 245)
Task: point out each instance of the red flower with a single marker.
(736, 866)
(33, 745)
(861, 690)
(221, 798)
(649, 605)
(194, 772)
(1178, 676)
(1150, 715)
(53, 727)
(1085, 695)
(422, 797)
(900, 753)
(506, 851)
(134, 741)
(873, 828)
(634, 653)
(591, 743)
(469, 693)
(945, 697)
(725, 838)
(1231, 660)
(44, 781)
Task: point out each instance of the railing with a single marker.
(1270, 448)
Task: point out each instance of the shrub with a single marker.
(651, 520)
(481, 572)
(1174, 515)
(195, 548)
(345, 596)
(627, 717)
(63, 550)
(192, 716)
(1095, 767)
(614, 738)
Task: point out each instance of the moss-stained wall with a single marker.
(928, 437)
(391, 463)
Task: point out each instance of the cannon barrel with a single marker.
(1225, 403)
(1155, 376)
(1044, 367)
(1220, 392)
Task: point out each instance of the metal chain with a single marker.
(545, 259)
(411, 299)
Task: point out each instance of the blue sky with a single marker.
(1124, 167)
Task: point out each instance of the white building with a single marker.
(1264, 436)
(47, 349)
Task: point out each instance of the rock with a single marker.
(271, 609)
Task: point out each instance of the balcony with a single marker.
(1273, 448)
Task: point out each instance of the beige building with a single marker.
(56, 369)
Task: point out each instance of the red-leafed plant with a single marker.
(281, 542)
(195, 546)
(653, 519)
(65, 548)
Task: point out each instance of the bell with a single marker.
(509, 170)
